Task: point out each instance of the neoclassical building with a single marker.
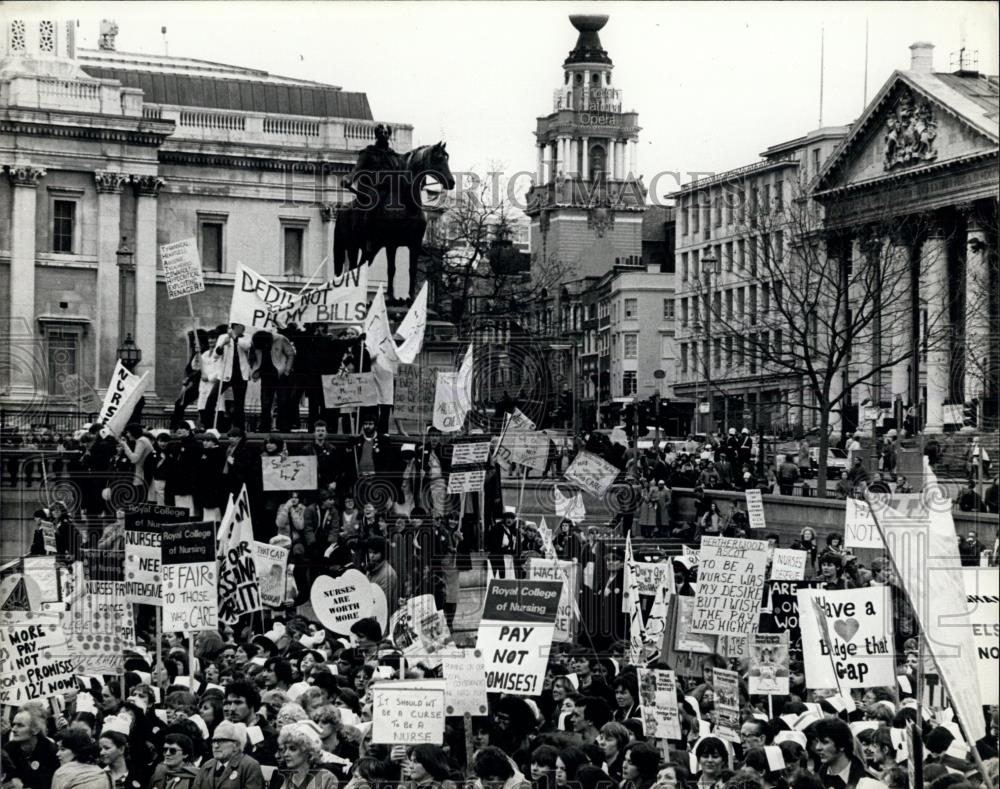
(107, 155)
(922, 162)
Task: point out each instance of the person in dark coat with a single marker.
(209, 489)
(197, 345)
(241, 465)
(183, 468)
(32, 755)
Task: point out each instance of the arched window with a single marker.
(598, 163)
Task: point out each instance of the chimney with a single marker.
(922, 57)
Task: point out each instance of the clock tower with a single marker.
(587, 202)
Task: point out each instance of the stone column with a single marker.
(934, 295)
(147, 188)
(613, 159)
(977, 312)
(540, 168)
(27, 379)
(897, 321)
(633, 157)
(109, 336)
(574, 152)
(328, 215)
(585, 159)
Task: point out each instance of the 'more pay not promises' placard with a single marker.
(515, 634)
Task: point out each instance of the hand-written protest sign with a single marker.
(784, 613)
(653, 576)
(465, 678)
(190, 579)
(730, 580)
(340, 602)
(420, 630)
(788, 564)
(726, 685)
(529, 449)
(35, 657)
(860, 635)
(349, 389)
(860, 530)
(182, 268)
(466, 481)
(469, 453)
(658, 696)
(755, 509)
(259, 304)
(768, 675)
(408, 713)
(271, 562)
(239, 591)
(48, 530)
(568, 573)
(98, 624)
(415, 385)
(515, 634)
(982, 587)
(685, 640)
(143, 523)
(592, 473)
(294, 472)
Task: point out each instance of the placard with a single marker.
(592, 473)
(685, 640)
(982, 587)
(860, 530)
(190, 578)
(469, 453)
(768, 673)
(788, 564)
(730, 581)
(755, 508)
(44, 571)
(272, 563)
(420, 630)
(349, 390)
(783, 616)
(658, 698)
(860, 634)
(465, 682)
(466, 481)
(515, 634)
(340, 602)
(36, 659)
(80, 392)
(529, 449)
(568, 573)
(143, 524)
(726, 685)
(653, 576)
(182, 268)
(292, 472)
(407, 715)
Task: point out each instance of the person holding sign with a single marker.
(236, 368)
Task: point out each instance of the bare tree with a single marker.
(834, 311)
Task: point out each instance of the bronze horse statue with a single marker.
(386, 211)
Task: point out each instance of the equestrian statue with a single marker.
(386, 211)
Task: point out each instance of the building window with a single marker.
(740, 303)
(717, 352)
(668, 309)
(777, 348)
(629, 383)
(752, 353)
(729, 351)
(684, 357)
(63, 357)
(741, 257)
(729, 256)
(631, 346)
(696, 214)
(211, 246)
(716, 304)
(631, 308)
(740, 352)
(684, 312)
(695, 315)
(779, 195)
(729, 304)
(815, 161)
(765, 300)
(292, 241)
(767, 198)
(47, 36)
(63, 225)
(684, 221)
(753, 256)
(779, 246)
(753, 302)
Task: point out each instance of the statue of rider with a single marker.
(373, 160)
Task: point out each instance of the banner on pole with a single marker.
(239, 590)
(730, 581)
(257, 303)
(182, 268)
(515, 634)
(755, 508)
(124, 391)
(190, 578)
(861, 651)
(592, 473)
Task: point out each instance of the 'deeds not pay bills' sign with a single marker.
(190, 578)
(515, 634)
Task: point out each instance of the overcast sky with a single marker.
(714, 83)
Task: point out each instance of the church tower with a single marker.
(587, 203)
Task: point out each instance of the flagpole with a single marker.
(944, 682)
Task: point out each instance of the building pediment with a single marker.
(917, 120)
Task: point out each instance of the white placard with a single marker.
(466, 481)
(294, 472)
(755, 508)
(788, 564)
(465, 682)
(592, 473)
(182, 268)
(407, 715)
(860, 530)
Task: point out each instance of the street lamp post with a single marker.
(708, 265)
